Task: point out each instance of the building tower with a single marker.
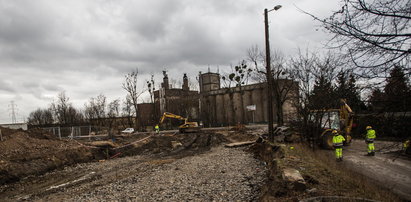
(209, 82)
(185, 83)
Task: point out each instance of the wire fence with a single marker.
(78, 131)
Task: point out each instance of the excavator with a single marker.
(186, 127)
(335, 119)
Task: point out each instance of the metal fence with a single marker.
(77, 131)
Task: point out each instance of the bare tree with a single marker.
(151, 88)
(113, 111)
(128, 111)
(374, 34)
(131, 86)
(41, 117)
(316, 76)
(96, 109)
(282, 80)
(257, 58)
(63, 111)
(194, 85)
(74, 116)
(60, 108)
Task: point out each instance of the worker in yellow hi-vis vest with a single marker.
(369, 139)
(338, 141)
(157, 129)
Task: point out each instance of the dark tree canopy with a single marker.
(396, 96)
(374, 34)
(322, 96)
(397, 91)
(347, 89)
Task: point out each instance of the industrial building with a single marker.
(241, 104)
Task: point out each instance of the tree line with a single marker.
(97, 109)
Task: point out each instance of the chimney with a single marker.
(165, 81)
(185, 83)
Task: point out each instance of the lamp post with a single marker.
(269, 75)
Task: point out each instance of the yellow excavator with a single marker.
(335, 119)
(186, 127)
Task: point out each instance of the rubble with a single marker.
(294, 179)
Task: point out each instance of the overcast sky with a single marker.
(86, 47)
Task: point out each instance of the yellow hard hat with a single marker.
(334, 132)
(368, 127)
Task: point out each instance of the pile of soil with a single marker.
(163, 144)
(241, 136)
(35, 152)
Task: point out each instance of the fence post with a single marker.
(59, 132)
(1, 136)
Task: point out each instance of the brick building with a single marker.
(180, 101)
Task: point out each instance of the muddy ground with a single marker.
(36, 166)
(36, 152)
(389, 168)
(197, 159)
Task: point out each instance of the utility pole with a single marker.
(269, 75)
(13, 111)
(269, 80)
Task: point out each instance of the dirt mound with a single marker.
(172, 144)
(241, 136)
(41, 134)
(6, 132)
(35, 152)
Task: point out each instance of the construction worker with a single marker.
(157, 128)
(338, 144)
(369, 139)
(405, 145)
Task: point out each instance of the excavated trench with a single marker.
(36, 152)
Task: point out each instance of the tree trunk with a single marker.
(280, 113)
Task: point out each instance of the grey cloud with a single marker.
(86, 47)
(6, 87)
(22, 23)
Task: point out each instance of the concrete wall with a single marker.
(15, 126)
(228, 106)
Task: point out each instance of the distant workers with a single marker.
(369, 139)
(157, 128)
(338, 144)
(405, 146)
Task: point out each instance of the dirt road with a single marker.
(220, 174)
(387, 167)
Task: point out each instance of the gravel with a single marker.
(221, 174)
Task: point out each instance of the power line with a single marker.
(13, 111)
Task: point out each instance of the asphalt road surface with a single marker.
(388, 167)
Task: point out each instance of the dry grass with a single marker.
(331, 178)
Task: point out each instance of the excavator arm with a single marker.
(347, 116)
(173, 116)
(185, 127)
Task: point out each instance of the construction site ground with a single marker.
(389, 167)
(35, 166)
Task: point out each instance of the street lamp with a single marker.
(269, 75)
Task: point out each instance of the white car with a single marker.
(128, 130)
